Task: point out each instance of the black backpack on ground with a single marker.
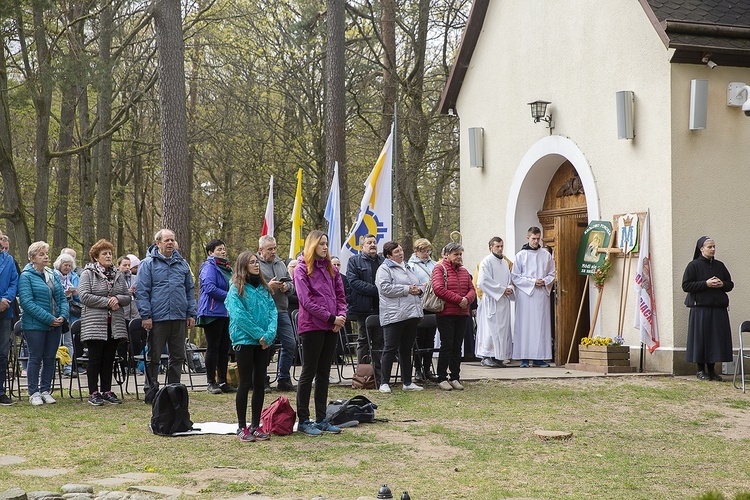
(358, 408)
(170, 411)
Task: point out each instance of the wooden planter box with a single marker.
(603, 359)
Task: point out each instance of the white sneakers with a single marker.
(47, 398)
(457, 385)
(385, 388)
(38, 399)
(412, 387)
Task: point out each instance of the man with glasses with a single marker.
(281, 286)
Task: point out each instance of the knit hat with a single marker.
(134, 261)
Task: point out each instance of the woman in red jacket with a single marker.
(452, 283)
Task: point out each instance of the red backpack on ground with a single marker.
(279, 417)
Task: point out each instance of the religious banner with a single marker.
(627, 233)
(597, 235)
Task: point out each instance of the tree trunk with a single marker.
(67, 124)
(104, 120)
(173, 118)
(336, 105)
(40, 86)
(12, 201)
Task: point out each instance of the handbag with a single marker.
(74, 308)
(364, 376)
(279, 417)
(430, 301)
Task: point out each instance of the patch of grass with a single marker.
(639, 438)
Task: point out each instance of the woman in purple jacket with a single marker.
(215, 275)
(322, 313)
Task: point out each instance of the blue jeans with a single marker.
(4, 348)
(285, 336)
(42, 351)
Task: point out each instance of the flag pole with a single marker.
(394, 183)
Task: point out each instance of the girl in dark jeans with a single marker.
(252, 328)
(322, 313)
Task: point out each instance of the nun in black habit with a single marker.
(707, 281)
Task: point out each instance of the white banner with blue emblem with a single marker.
(375, 211)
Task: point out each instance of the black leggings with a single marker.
(318, 348)
(101, 362)
(217, 350)
(251, 366)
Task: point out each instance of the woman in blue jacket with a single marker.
(252, 328)
(44, 310)
(214, 278)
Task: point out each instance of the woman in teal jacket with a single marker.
(252, 328)
(44, 310)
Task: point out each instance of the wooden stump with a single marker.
(543, 435)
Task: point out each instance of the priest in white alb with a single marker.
(533, 276)
(494, 341)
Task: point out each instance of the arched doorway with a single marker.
(563, 219)
(527, 198)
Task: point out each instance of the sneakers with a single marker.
(36, 399)
(213, 388)
(326, 426)
(96, 399)
(491, 363)
(244, 435)
(385, 388)
(226, 388)
(445, 385)
(259, 435)
(456, 385)
(524, 363)
(309, 428)
(412, 387)
(284, 385)
(540, 364)
(6, 401)
(47, 398)
(110, 398)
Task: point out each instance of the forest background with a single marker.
(90, 145)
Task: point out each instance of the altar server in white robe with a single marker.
(494, 341)
(533, 276)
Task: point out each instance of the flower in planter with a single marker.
(618, 340)
(601, 341)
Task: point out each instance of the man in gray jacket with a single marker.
(166, 302)
(281, 285)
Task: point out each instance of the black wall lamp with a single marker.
(538, 112)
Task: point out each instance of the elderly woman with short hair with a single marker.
(104, 292)
(400, 311)
(44, 311)
(64, 266)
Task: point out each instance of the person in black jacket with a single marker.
(363, 298)
(707, 281)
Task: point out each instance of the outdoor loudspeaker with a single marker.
(476, 147)
(625, 100)
(698, 104)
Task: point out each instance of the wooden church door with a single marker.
(563, 219)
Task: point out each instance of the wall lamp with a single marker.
(538, 112)
(738, 94)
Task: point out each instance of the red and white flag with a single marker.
(645, 310)
(268, 219)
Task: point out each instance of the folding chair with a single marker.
(294, 316)
(19, 343)
(428, 321)
(189, 351)
(373, 329)
(739, 366)
(138, 339)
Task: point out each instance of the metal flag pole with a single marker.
(394, 179)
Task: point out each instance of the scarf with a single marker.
(223, 264)
(253, 280)
(108, 272)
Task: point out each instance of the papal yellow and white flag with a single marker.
(375, 211)
(297, 242)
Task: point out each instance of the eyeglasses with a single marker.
(338, 265)
(254, 263)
